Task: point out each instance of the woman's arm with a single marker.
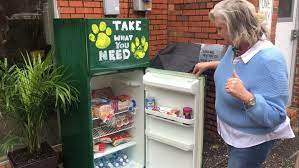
(202, 66)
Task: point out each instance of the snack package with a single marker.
(95, 101)
(121, 138)
(122, 120)
(170, 111)
(105, 93)
(99, 147)
(105, 139)
(103, 111)
(124, 102)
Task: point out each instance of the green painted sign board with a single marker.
(117, 43)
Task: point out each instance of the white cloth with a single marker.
(240, 139)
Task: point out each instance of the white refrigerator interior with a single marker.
(158, 140)
(171, 141)
(124, 83)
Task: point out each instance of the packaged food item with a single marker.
(105, 139)
(105, 93)
(103, 111)
(122, 120)
(123, 104)
(149, 103)
(187, 112)
(174, 112)
(95, 101)
(121, 138)
(132, 106)
(99, 147)
(114, 104)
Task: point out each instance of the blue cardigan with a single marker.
(266, 76)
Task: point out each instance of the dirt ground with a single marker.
(281, 156)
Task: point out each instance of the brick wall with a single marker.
(170, 21)
(94, 9)
(295, 98)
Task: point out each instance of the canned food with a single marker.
(149, 103)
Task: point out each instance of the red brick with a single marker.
(76, 3)
(66, 10)
(62, 3)
(93, 16)
(202, 12)
(200, 24)
(201, 35)
(189, 12)
(98, 10)
(91, 4)
(77, 15)
(209, 30)
(84, 10)
(170, 6)
(65, 15)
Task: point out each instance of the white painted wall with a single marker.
(288, 46)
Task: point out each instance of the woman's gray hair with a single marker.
(242, 21)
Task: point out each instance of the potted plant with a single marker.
(27, 94)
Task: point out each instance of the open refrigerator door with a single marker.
(174, 119)
(118, 120)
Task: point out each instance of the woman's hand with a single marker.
(202, 66)
(235, 87)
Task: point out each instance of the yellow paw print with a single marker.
(100, 35)
(139, 47)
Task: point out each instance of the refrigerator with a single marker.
(129, 115)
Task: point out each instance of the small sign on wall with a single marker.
(266, 8)
(211, 52)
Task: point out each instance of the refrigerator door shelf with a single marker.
(185, 146)
(176, 120)
(102, 131)
(110, 149)
(171, 82)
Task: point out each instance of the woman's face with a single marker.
(222, 29)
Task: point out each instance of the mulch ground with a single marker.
(281, 156)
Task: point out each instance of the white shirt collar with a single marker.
(260, 45)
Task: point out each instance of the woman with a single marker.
(251, 86)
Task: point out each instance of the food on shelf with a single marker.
(187, 112)
(118, 159)
(105, 104)
(149, 102)
(103, 111)
(122, 120)
(105, 93)
(132, 106)
(105, 139)
(100, 147)
(114, 140)
(120, 138)
(124, 102)
(170, 111)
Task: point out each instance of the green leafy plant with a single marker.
(27, 94)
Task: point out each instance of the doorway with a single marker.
(286, 24)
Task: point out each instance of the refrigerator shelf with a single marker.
(170, 82)
(133, 164)
(182, 145)
(111, 149)
(107, 130)
(165, 117)
(119, 112)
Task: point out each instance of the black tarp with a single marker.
(177, 57)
